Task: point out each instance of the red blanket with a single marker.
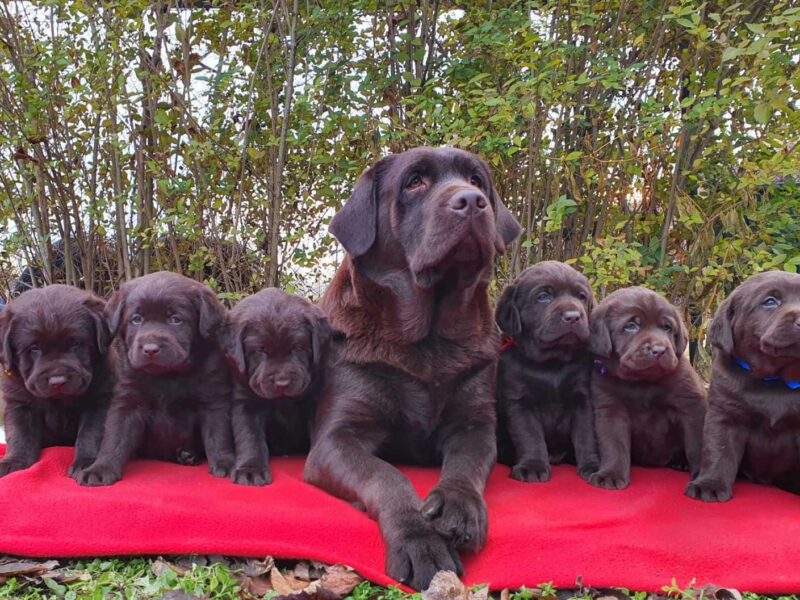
(640, 538)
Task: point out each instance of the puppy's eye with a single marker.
(544, 297)
(136, 319)
(35, 351)
(174, 320)
(75, 346)
(583, 297)
(476, 181)
(263, 352)
(771, 302)
(631, 327)
(415, 183)
(667, 327)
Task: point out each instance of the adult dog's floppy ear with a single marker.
(212, 313)
(102, 334)
(720, 333)
(600, 335)
(356, 223)
(507, 226)
(320, 337)
(6, 351)
(113, 311)
(506, 315)
(230, 339)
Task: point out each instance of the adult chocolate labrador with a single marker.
(413, 378)
(753, 422)
(543, 375)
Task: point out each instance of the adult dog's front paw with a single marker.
(98, 475)
(609, 480)
(9, 466)
(255, 476)
(458, 513)
(415, 553)
(531, 471)
(709, 491)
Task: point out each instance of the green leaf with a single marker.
(575, 155)
(762, 113)
(730, 53)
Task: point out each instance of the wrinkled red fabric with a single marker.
(640, 538)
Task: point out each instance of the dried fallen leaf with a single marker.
(717, 593)
(257, 586)
(340, 580)
(447, 586)
(161, 566)
(11, 568)
(255, 568)
(286, 584)
(302, 570)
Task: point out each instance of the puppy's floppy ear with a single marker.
(506, 315)
(6, 350)
(230, 339)
(96, 308)
(681, 335)
(356, 223)
(212, 313)
(721, 331)
(600, 335)
(320, 337)
(508, 228)
(113, 311)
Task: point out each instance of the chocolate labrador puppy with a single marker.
(172, 393)
(753, 422)
(56, 386)
(543, 375)
(276, 344)
(413, 379)
(649, 403)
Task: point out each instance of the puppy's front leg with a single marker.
(342, 461)
(121, 437)
(692, 431)
(527, 435)
(218, 439)
(584, 440)
(24, 431)
(612, 424)
(252, 453)
(90, 437)
(723, 447)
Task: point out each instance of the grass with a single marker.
(145, 578)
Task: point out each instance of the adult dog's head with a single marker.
(546, 311)
(163, 319)
(276, 343)
(433, 211)
(52, 338)
(641, 333)
(759, 324)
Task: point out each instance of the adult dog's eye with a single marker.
(174, 320)
(771, 302)
(414, 183)
(136, 319)
(35, 351)
(544, 297)
(631, 327)
(476, 181)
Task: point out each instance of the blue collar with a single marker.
(792, 385)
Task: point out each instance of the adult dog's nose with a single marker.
(57, 382)
(151, 349)
(467, 203)
(657, 349)
(571, 317)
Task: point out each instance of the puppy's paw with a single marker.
(586, 471)
(708, 491)
(255, 476)
(221, 467)
(9, 466)
(78, 467)
(531, 471)
(98, 475)
(415, 553)
(609, 480)
(458, 513)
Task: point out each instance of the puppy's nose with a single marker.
(467, 203)
(151, 349)
(571, 317)
(57, 382)
(657, 349)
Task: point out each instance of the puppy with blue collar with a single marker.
(752, 427)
